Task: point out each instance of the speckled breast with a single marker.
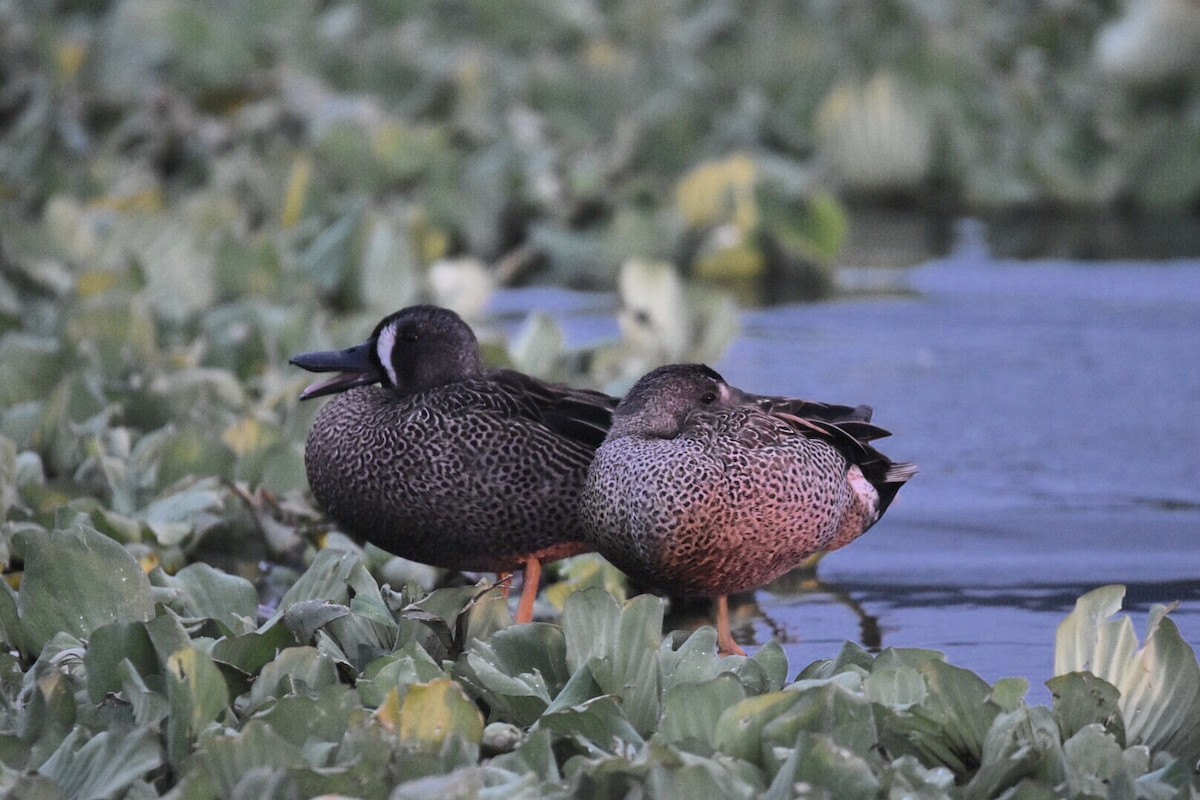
(433, 478)
(689, 517)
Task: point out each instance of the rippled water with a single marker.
(1053, 408)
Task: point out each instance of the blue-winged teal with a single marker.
(700, 488)
(445, 463)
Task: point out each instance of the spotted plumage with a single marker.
(445, 463)
(700, 488)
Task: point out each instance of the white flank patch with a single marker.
(863, 489)
(384, 346)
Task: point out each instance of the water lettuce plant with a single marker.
(121, 683)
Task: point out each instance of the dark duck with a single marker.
(427, 455)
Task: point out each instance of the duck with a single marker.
(700, 488)
(429, 456)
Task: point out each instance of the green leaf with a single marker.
(1093, 758)
(619, 646)
(31, 366)
(76, 581)
(774, 663)
(173, 518)
(361, 638)
(226, 759)
(210, 593)
(851, 658)
(294, 670)
(1159, 685)
(49, 715)
(12, 633)
(336, 576)
(1082, 699)
(599, 726)
(845, 717)
(949, 725)
(534, 754)
(1088, 641)
(329, 258)
(1009, 693)
(109, 646)
(409, 665)
(739, 729)
(518, 672)
(1021, 744)
(433, 712)
(695, 660)
(843, 772)
(105, 765)
(323, 717)
(250, 652)
(690, 711)
(307, 617)
(198, 695)
(898, 687)
(150, 707)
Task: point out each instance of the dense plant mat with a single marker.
(118, 683)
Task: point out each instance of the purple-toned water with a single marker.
(1054, 409)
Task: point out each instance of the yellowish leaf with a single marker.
(297, 190)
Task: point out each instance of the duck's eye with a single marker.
(708, 398)
(409, 336)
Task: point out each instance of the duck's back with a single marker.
(461, 476)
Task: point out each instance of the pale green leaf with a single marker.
(75, 581)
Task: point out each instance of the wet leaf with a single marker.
(105, 765)
(250, 652)
(518, 670)
(409, 665)
(109, 646)
(1082, 699)
(431, 713)
(1093, 757)
(198, 695)
(691, 711)
(597, 726)
(295, 670)
(210, 593)
(1022, 744)
(32, 365)
(1159, 684)
(618, 645)
(76, 581)
(739, 729)
(949, 725)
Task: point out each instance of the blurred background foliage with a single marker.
(193, 191)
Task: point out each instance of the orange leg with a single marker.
(726, 646)
(533, 576)
(504, 582)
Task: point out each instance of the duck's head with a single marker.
(414, 349)
(659, 403)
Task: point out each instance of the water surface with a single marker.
(1052, 408)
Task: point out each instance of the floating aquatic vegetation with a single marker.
(111, 675)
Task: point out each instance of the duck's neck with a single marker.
(430, 373)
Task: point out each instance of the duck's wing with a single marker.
(852, 437)
(580, 415)
(851, 417)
